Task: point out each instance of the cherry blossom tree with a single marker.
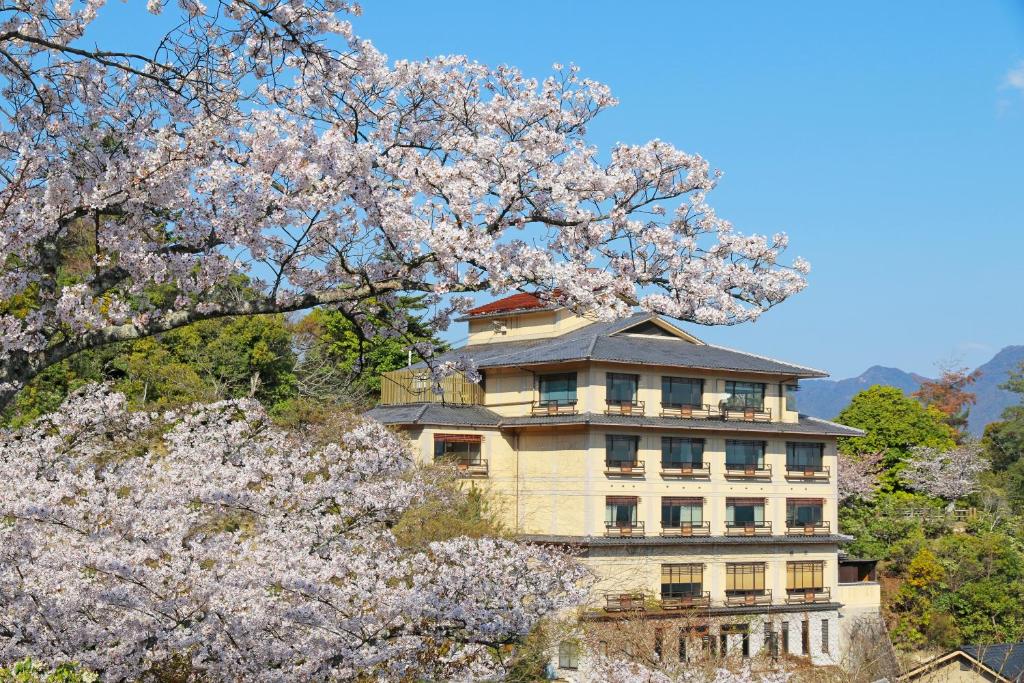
(948, 474)
(209, 538)
(266, 140)
(613, 670)
(858, 475)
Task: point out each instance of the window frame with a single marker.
(616, 502)
(571, 392)
(794, 463)
(693, 443)
(610, 439)
(756, 570)
(676, 572)
(667, 381)
(793, 505)
(568, 651)
(797, 573)
(749, 400)
(610, 380)
(443, 440)
(752, 502)
(689, 503)
(758, 460)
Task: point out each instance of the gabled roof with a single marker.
(1005, 661)
(599, 341)
(509, 304)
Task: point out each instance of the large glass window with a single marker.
(621, 449)
(744, 577)
(804, 456)
(558, 389)
(682, 391)
(622, 388)
(744, 395)
(682, 580)
(741, 455)
(678, 511)
(460, 448)
(681, 452)
(744, 511)
(620, 511)
(804, 511)
(805, 576)
(791, 392)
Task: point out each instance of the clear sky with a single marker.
(886, 138)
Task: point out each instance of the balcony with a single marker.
(748, 528)
(808, 596)
(555, 407)
(632, 601)
(745, 598)
(624, 408)
(809, 529)
(624, 530)
(807, 473)
(697, 599)
(747, 471)
(625, 468)
(685, 470)
(687, 529)
(746, 413)
(701, 412)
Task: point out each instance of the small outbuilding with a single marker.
(1001, 663)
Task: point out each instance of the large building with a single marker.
(683, 470)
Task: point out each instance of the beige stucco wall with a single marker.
(523, 326)
(860, 596)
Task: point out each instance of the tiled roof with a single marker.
(1006, 659)
(472, 416)
(509, 304)
(596, 541)
(599, 342)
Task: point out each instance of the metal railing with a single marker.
(686, 529)
(619, 529)
(624, 408)
(541, 408)
(742, 598)
(695, 599)
(748, 470)
(624, 601)
(808, 595)
(746, 414)
(794, 472)
(685, 470)
(748, 528)
(822, 528)
(625, 467)
(468, 468)
(701, 412)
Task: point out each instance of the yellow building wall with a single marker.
(523, 326)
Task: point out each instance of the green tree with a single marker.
(893, 424)
(1004, 440)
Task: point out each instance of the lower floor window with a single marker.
(568, 655)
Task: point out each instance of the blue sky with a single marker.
(886, 138)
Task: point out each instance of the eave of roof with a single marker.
(603, 541)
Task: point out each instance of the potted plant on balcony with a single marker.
(686, 529)
(686, 411)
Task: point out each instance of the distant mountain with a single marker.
(825, 398)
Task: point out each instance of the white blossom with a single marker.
(948, 474)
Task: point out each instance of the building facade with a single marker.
(684, 472)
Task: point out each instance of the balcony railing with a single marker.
(808, 595)
(695, 599)
(701, 412)
(742, 598)
(476, 467)
(748, 528)
(632, 468)
(822, 528)
(620, 529)
(686, 529)
(746, 414)
(748, 471)
(624, 408)
(624, 602)
(794, 472)
(559, 407)
(675, 469)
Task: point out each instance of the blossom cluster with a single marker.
(210, 537)
(948, 474)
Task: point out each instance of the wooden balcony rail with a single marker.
(742, 598)
(618, 529)
(795, 472)
(701, 412)
(808, 595)
(624, 602)
(471, 468)
(696, 599)
(748, 471)
(670, 469)
(624, 408)
(748, 528)
(633, 468)
(822, 528)
(687, 529)
(541, 408)
(746, 414)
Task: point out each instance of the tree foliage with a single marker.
(949, 395)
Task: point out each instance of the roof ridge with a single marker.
(774, 360)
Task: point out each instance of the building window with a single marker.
(771, 639)
(680, 452)
(805, 576)
(461, 449)
(743, 578)
(805, 637)
(559, 390)
(824, 635)
(744, 512)
(568, 655)
(743, 455)
(790, 394)
(659, 642)
(620, 450)
(804, 512)
(682, 645)
(682, 580)
(741, 630)
(622, 388)
(744, 395)
(681, 391)
(620, 511)
(785, 637)
(678, 512)
(804, 456)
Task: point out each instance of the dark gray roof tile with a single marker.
(435, 414)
